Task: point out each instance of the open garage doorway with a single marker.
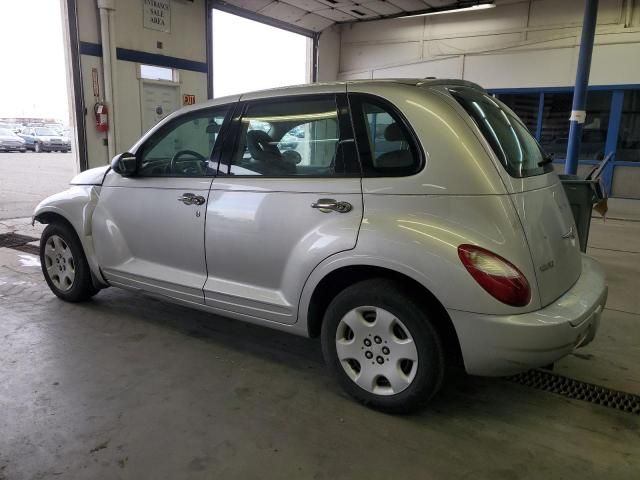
(249, 55)
(37, 157)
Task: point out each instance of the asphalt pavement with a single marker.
(28, 178)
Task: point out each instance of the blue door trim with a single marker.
(631, 86)
(125, 54)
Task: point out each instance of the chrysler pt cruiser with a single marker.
(409, 224)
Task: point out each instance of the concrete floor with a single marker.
(128, 387)
(44, 173)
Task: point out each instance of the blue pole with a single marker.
(613, 130)
(578, 113)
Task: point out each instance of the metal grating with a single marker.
(12, 240)
(577, 390)
(26, 248)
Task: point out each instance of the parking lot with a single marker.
(27, 178)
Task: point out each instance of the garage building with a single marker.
(128, 385)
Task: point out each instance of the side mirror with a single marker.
(126, 164)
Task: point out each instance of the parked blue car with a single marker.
(44, 139)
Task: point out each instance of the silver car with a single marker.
(411, 225)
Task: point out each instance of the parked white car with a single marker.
(10, 142)
(416, 223)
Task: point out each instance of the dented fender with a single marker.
(76, 205)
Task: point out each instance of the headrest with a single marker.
(261, 146)
(393, 133)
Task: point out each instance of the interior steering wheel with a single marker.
(177, 158)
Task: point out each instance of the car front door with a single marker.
(148, 229)
(287, 196)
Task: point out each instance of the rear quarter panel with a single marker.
(418, 236)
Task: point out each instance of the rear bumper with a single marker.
(494, 345)
(54, 148)
(12, 149)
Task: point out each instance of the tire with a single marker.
(36, 148)
(386, 322)
(64, 264)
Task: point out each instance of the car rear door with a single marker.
(287, 196)
(148, 229)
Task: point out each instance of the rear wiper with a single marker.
(546, 159)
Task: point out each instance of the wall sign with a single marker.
(157, 15)
(188, 99)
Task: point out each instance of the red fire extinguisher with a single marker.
(102, 117)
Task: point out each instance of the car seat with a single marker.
(399, 158)
(263, 149)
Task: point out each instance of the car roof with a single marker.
(330, 87)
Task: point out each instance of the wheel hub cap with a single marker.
(59, 263)
(376, 350)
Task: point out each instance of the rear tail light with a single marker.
(496, 275)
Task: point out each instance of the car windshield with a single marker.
(45, 132)
(4, 131)
(509, 138)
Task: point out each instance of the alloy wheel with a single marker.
(59, 262)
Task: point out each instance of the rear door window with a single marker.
(293, 136)
(515, 147)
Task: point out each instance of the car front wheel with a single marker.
(64, 264)
(382, 347)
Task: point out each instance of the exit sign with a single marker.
(188, 99)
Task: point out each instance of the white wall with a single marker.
(520, 43)
(186, 41)
(329, 54)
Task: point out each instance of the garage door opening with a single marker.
(36, 157)
(249, 55)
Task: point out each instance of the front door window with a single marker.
(183, 147)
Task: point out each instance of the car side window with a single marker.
(298, 136)
(184, 146)
(387, 146)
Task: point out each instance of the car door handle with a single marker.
(327, 205)
(191, 199)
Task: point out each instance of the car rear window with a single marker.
(513, 144)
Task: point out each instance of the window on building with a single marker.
(152, 72)
(555, 124)
(525, 106)
(628, 149)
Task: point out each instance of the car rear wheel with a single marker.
(382, 347)
(64, 264)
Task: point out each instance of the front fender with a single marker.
(76, 205)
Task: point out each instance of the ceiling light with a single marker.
(460, 7)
